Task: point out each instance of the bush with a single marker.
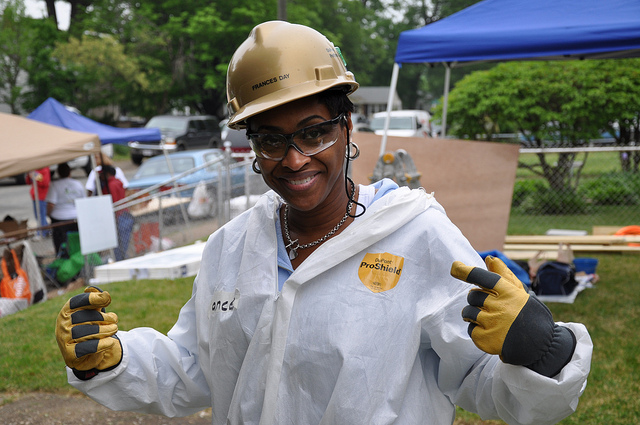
(120, 151)
(526, 188)
(613, 189)
(547, 201)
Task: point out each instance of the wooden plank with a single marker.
(573, 240)
(574, 248)
(527, 255)
(478, 200)
(605, 230)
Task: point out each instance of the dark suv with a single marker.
(238, 138)
(178, 133)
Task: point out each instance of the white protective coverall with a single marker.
(327, 349)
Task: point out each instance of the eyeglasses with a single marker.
(308, 141)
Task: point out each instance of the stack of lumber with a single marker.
(545, 247)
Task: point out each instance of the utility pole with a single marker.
(282, 10)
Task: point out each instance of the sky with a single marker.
(38, 9)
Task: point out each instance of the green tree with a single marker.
(420, 84)
(78, 9)
(46, 77)
(550, 103)
(103, 71)
(215, 31)
(184, 47)
(14, 53)
(622, 110)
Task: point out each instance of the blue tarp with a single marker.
(53, 112)
(520, 273)
(503, 30)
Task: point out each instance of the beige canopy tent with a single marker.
(27, 145)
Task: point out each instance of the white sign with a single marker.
(96, 224)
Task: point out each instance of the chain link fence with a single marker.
(158, 218)
(588, 189)
(600, 196)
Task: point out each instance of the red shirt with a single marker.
(43, 184)
(116, 189)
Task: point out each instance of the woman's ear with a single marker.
(349, 122)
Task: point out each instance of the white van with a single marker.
(403, 123)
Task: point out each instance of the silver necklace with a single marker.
(295, 246)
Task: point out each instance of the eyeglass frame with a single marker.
(289, 139)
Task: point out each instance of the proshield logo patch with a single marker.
(380, 271)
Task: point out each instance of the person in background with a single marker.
(330, 302)
(61, 206)
(42, 180)
(124, 219)
(102, 159)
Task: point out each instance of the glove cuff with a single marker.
(559, 353)
(85, 375)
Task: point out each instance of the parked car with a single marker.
(403, 123)
(178, 133)
(357, 118)
(238, 138)
(156, 171)
(362, 127)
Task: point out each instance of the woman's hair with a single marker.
(64, 170)
(108, 170)
(336, 101)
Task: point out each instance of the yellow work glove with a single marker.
(86, 334)
(505, 320)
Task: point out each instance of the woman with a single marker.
(329, 302)
(124, 219)
(103, 159)
(61, 205)
(40, 181)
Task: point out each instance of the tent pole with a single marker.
(447, 79)
(36, 200)
(175, 186)
(96, 176)
(392, 90)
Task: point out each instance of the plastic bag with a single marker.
(16, 284)
(202, 202)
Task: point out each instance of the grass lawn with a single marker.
(610, 311)
(598, 215)
(29, 356)
(30, 360)
(595, 163)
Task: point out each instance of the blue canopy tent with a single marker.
(506, 30)
(53, 112)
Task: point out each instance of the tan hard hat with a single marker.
(280, 62)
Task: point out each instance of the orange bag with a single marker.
(629, 230)
(14, 285)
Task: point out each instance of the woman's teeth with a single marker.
(303, 181)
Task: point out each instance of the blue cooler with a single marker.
(587, 265)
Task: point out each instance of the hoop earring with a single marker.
(355, 155)
(254, 166)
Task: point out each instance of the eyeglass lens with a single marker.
(308, 141)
